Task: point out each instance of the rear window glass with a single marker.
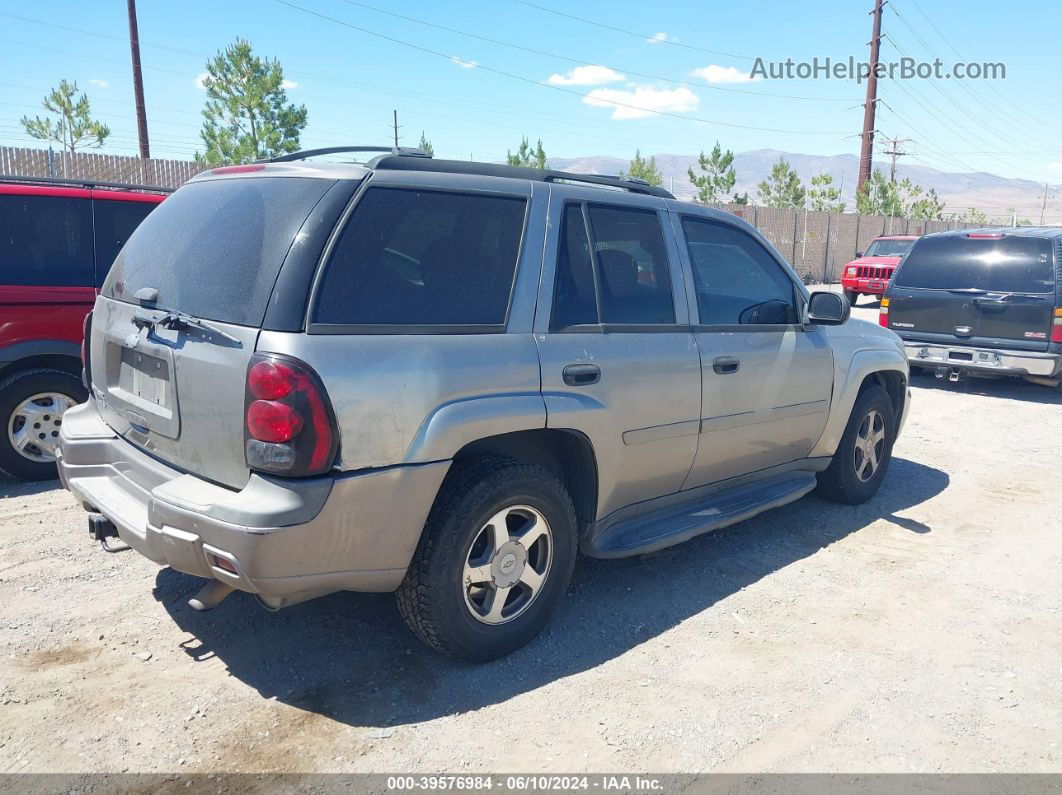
(888, 248)
(1010, 264)
(423, 258)
(214, 249)
(114, 222)
(46, 241)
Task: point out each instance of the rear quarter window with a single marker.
(213, 249)
(46, 241)
(1011, 264)
(114, 222)
(415, 258)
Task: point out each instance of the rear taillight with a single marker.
(86, 331)
(289, 428)
(883, 313)
(1056, 326)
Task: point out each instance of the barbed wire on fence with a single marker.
(816, 244)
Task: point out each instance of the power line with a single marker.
(581, 62)
(531, 81)
(642, 36)
(894, 152)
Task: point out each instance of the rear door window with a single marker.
(213, 249)
(417, 258)
(1010, 264)
(737, 280)
(114, 221)
(46, 241)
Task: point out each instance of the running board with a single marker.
(655, 531)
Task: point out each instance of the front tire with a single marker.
(495, 558)
(852, 296)
(862, 458)
(32, 404)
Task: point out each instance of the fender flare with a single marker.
(848, 377)
(43, 347)
(453, 425)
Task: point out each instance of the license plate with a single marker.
(877, 285)
(145, 376)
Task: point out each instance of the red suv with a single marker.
(58, 239)
(870, 271)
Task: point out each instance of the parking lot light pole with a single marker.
(138, 82)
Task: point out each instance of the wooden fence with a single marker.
(20, 162)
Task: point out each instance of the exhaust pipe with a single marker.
(210, 596)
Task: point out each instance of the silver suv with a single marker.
(444, 378)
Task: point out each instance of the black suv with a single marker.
(982, 302)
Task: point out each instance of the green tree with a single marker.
(974, 216)
(928, 208)
(526, 156)
(823, 197)
(742, 198)
(718, 177)
(905, 199)
(645, 169)
(425, 145)
(75, 126)
(783, 188)
(247, 116)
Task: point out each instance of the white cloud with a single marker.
(589, 75)
(463, 63)
(99, 83)
(643, 101)
(288, 85)
(199, 78)
(659, 38)
(1055, 166)
(723, 74)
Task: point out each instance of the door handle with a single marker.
(725, 365)
(582, 374)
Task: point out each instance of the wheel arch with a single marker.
(40, 354)
(568, 454)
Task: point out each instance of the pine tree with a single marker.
(526, 156)
(783, 188)
(823, 197)
(425, 145)
(75, 126)
(645, 169)
(718, 178)
(246, 115)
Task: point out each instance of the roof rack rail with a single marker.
(632, 184)
(398, 151)
(84, 183)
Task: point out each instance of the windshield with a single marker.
(1008, 264)
(213, 249)
(888, 248)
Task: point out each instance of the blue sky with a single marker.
(476, 98)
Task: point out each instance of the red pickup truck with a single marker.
(869, 273)
(58, 239)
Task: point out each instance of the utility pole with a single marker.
(893, 152)
(1043, 205)
(866, 154)
(394, 127)
(138, 82)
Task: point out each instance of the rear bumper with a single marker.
(859, 284)
(286, 539)
(988, 360)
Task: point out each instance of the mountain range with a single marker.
(992, 194)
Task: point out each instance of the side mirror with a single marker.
(859, 255)
(828, 309)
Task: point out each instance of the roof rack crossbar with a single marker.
(84, 183)
(400, 151)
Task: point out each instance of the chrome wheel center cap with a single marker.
(507, 566)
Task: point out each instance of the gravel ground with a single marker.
(918, 632)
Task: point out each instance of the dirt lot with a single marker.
(919, 632)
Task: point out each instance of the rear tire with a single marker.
(852, 296)
(449, 597)
(862, 458)
(25, 399)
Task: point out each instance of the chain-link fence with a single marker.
(819, 244)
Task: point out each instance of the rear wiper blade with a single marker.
(172, 319)
(177, 320)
